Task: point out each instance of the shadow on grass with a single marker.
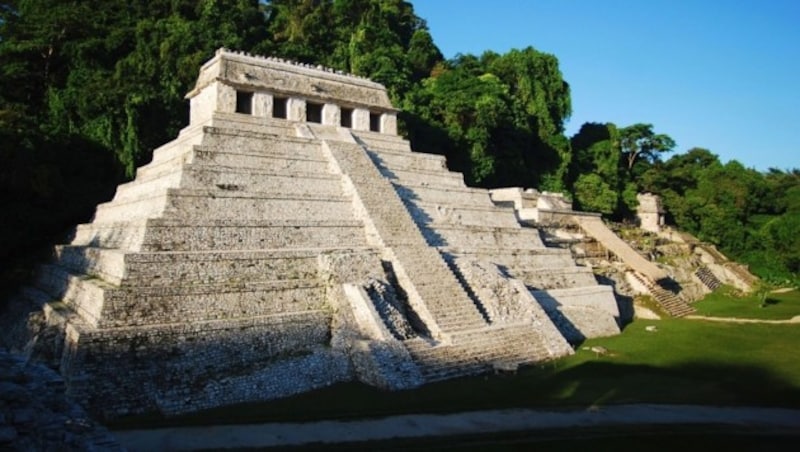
(580, 387)
(771, 301)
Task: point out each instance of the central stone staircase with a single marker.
(461, 340)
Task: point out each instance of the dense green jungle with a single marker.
(88, 88)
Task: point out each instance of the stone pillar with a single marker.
(296, 109)
(389, 123)
(226, 98)
(360, 119)
(262, 105)
(331, 115)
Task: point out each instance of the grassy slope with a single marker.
(777, 306)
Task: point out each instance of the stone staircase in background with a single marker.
(708, 278)
(672, 304)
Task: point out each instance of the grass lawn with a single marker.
(776, 306)
(683, 362)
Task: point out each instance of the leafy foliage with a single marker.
(502, 116)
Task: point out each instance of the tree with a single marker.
(639, 142)
(503, 115)
(593, 194)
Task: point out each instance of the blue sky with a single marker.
(718, 74)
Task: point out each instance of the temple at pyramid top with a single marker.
(236, 82)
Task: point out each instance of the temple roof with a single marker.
(281, 77)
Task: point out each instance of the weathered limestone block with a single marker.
(360, 119)
(454, 214)
(383, 142)
(388, 124)
(262, 104)
(296, 109)
(476, 237)
(569, 276)
(437, 178)
(331, 115)
(581, 313)
(197, 235)
(411, 192)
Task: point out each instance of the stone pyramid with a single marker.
(286, 240)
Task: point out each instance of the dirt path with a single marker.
(795, 319)
(411, 426)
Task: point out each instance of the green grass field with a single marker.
(683, 362)
(775, 306)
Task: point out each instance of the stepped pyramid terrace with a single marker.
(286, 240)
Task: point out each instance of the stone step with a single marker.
(221, 140)
(381, 141)
(83, 294)
(137, 208)
(239, 123)
(480, 237)
(478, 351)
(259, 181)
(596, 300)
(218, 203)
(103, 305)
(511, 258)
(443, 295)
(183, 144)
(425, 213)
(106, 264)
(673, 304)
(161, 168)
(434, 178)
(163, 235)
(148, 187)
(225, 204)
(126, 235)
(448, 195)
(261, 161)
(708, 278)
(554, 277)
(197, 177)
(128, 307)
(181, 268)
(201, 235)
(391, 159)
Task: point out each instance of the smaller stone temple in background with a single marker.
(649, 212)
